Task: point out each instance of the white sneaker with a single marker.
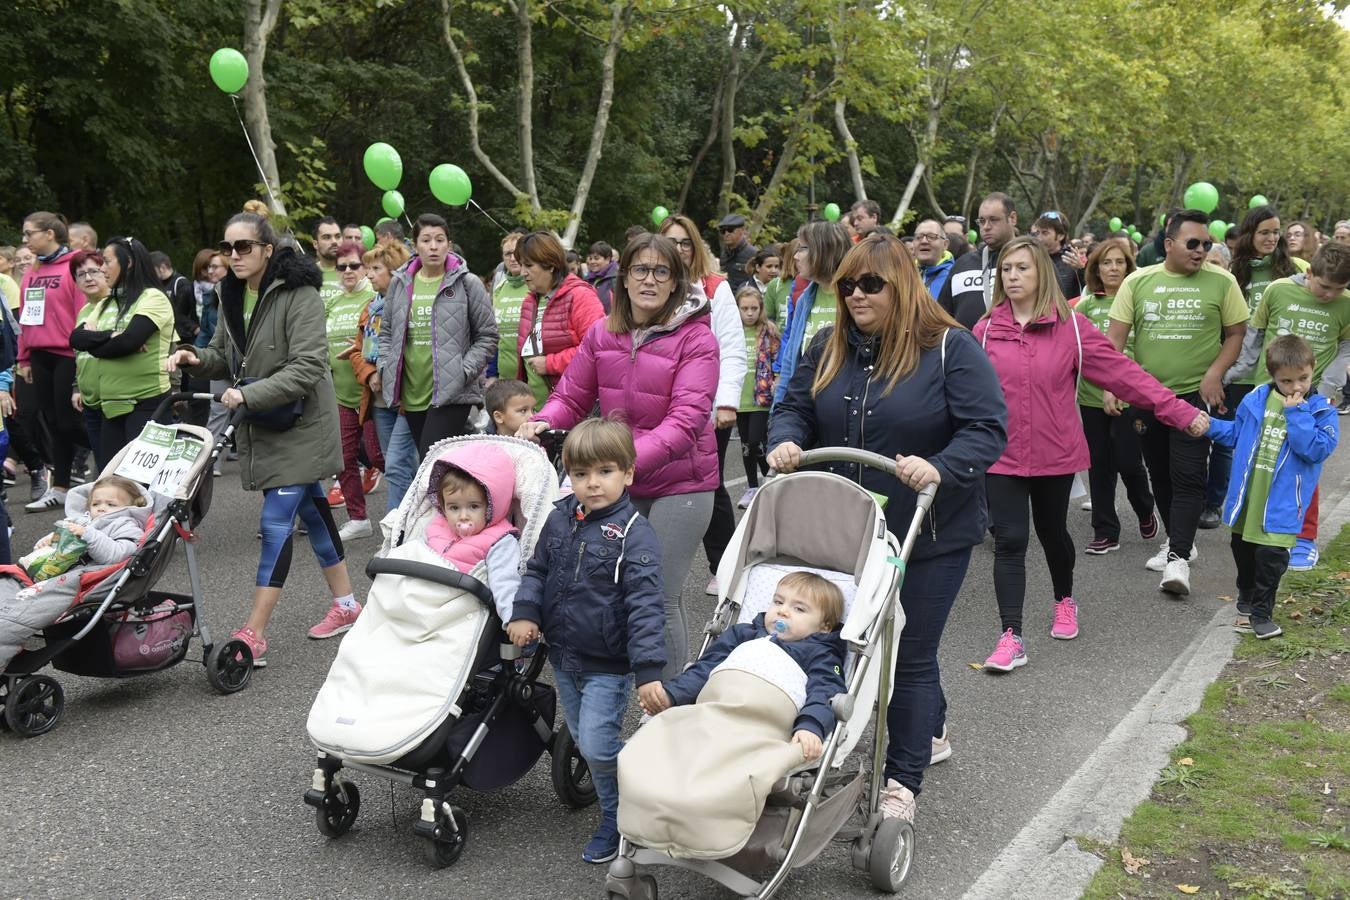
(942, 748)
(897, 801)
(355, 529)
(1176, 576)
(1087, 506)
(50, 499)
(1158, 561)
(747, 497)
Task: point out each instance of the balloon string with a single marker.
(276, 204)
(406, 219)
(485, 213)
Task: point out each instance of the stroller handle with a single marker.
(864, 458)
(161, 412)
(383, 565)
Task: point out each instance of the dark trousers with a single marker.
(753, 428)
(116, 433)
(53, 385)
(1048, 497)
(436, 423)
(25, 431)
(1221, 457)
(1259, 570)
(93, 428)
(918, 708)
(723, 521)
(1113, 446)
(1176, 467)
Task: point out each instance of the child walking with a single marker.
(593, 588)
(1281, 435)
(752, 415)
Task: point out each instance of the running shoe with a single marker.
(1148, 528)
(37, 483)
(51, 499)
(335, 497)
(1008, 655)
(256, 644)
(1158, 561)
(1303, 555)
(1065, 626)
(897, 801)
(942, 748)
(749, 495)
(1265, 628)
(339, 620)
(355, 529)
(1176, 576)
(370, 479)
(1101, 546)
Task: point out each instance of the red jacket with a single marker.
(571, 312)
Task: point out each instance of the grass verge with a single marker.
(1256, 802)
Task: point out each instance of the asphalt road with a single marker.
(158, 787)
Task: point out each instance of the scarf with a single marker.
(370, 334)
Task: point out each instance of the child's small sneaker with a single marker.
(604, 844)
(942, 748)
(749, 495)
(1148, 528)
(1008, 655)
(1303, 556)
(1265, 628)
(1101, 546)
(338, 621)
(711, 589)
(257, 645)
(1065, 627)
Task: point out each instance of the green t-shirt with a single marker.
(140, 375)
(331, 287)
(534, 346)
(506, 301)
(751, 355)
(10, 288)
(822, 314)
(1288, 307)
(1177, 320)
(1256, 287)
(1251, 519)
(1096, 308)
(417, 374)
(343, 314)
(250, 302)
(98, 316)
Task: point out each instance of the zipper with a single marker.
(581, 554)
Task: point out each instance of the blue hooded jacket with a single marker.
(790, 349)
(1310, 437)
(935, 276)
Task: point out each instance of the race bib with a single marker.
(183, 452)
(160, 459)
(34, 306)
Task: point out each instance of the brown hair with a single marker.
(201, 261)
(827, 243)
(50, 221)
(1092, 272)
(1289, 351)
(824, 596)
(597, 441)
(456, 479)
(621, 308)
(258, 208)
(1332, 262)
(702, 264)
(1048, 294)
(503, 391)
(915, 321)
(393, 255)
(543, 249)
(125, 485)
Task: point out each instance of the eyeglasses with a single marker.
(871, 283)
(88, 273)
(1268, 233)
(348, 267)
(923, 236)
(991, 220)
(728, 229)
(1198, 244)
(27, 234)
(683, 244)
(241, 247)
(661, 274)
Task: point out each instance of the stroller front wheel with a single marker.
(571, 776)
(34, 705)
(891, 855)
(447, 845)
(341, 803)
(229, 666)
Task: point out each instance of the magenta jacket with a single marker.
(1037, 367)
(661, 382)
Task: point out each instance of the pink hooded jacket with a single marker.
(661, 382)
(494, 472)
(1037, 367)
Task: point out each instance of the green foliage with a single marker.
(309, 193)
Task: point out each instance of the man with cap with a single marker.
(736, 250)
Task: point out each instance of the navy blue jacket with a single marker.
(596, 594)
(821, 657)
(954, 417)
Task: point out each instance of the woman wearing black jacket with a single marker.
(898, 376)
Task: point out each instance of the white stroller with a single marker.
(824, 523)
(424, 689)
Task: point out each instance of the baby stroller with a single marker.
(425, 689)
(118, 625)
(824, 523)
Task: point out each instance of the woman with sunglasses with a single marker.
(1040, 349)
(896, 375)
(654, 363)
(270, 342)
(554, 316)
(86, 266)
(820, 249)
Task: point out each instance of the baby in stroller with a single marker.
(104, 524)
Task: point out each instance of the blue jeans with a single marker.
(594, 704)
(400, 452)
(918, 707)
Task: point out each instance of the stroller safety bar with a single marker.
(446, 577)
(166, 405)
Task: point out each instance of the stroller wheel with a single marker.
(445, 848)
(229, 666)
(34, 706)
(892, 853)
(571, 776)
(341, 803)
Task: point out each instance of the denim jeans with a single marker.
(918, 708)
(594, 704)
(400, 452)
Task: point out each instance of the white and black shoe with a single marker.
(1176, 576)
(51, 499)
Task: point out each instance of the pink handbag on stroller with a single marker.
(149, 640)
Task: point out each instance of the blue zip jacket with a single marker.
(790, 349)
(1311, 433)
(820, 656)
(594, 589)
(935, 276)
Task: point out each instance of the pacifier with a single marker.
(464, 528)
(780, 626)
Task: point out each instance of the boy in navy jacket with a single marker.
(594, 589)
(1281, 436)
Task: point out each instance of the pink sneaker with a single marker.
(338, 621)
(256, 644)
(1066, 620)
(1008, 655)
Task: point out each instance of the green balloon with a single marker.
(1218, 229)
(1258, 200)
(831, 212)
(392, 202)
(1202, 196)
(1162, 219)
(972, 235)
(367, 236)
(450, 184)
(383, 166)
(1115, 224)
(659, 215)
(229, 69)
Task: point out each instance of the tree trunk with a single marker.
(714, 128)
(923, 156)
(728, 126)
(525, 113)
(933, 203)
(258, 24)
(850, 148)
(769, 199)
(968, 195)
(618, 25)
(1091, 207)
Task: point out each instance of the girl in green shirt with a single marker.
(752, 415)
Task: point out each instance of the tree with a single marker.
(260, 18)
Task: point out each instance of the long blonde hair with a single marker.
(915, 322)
(701, 265)
(1048, 294)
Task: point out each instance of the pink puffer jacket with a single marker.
(661, 382)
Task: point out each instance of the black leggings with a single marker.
(753, 428)
(116, 433)
(25, 431)
(1178, 470)
(1113, 445)
(436, 423)
(53, 384)
(1049, 499)
(723, 521)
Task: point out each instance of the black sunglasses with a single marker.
(871, 283)
(241, 247)
(728, 229)
(347, 267)
(1198, 243)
